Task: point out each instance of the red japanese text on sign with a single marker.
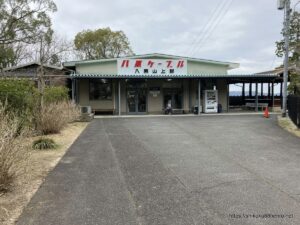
(152, 67)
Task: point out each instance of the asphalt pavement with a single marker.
(174, 170)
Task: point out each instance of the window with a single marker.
(100, 89)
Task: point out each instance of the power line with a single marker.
(210, 25)
(206, 26)
(214, 26)
(211, 20)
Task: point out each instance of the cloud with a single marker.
(246, 34)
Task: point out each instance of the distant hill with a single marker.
(239, 93)
(235, 93)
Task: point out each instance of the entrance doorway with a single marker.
(173, 97)
(136, 96)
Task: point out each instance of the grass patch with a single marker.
(287, 124)
(39, 164)
(44, 144)
(53, 117)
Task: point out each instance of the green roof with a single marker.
(90, 75)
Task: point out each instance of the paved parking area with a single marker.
(174, 170)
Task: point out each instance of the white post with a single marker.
(119, 96)
(228, 96)
(256, 97)
(287, 11)
(73, 90)
(199, 96)
(273, 96)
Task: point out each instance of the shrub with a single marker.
(19, 96)
(53, 117)
(55, 94)
(13, 153)
(44, 143)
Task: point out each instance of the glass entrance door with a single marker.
(136, 97)
(173, 96)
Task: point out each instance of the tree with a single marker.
(102, 43)
(23, 20)
(294, 45)
(13, 54)
(7, 56)
(50, 49)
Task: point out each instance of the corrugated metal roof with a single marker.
(175, 76)
(30, 64)
(280, 70)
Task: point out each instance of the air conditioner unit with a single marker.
(86, 109)
(280, 4)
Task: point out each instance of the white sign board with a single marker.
(152, 67)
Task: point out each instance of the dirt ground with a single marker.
(39, 164)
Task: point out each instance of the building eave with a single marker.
(91, 75)
(230, 65)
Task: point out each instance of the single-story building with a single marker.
(53, 75)
(157, 83)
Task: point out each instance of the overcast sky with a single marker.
(242, 31)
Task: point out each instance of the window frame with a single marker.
(100, 98)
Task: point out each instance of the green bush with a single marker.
(23, 99)
(55, 94)
(19, 96)
(44, 143)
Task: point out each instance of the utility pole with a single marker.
(286, 5)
